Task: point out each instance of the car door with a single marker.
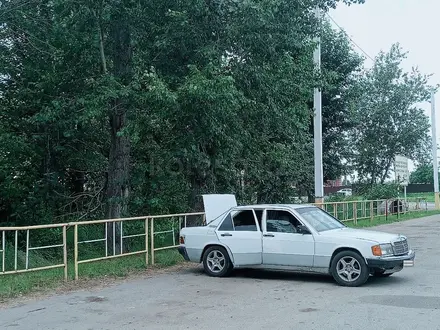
(241, 232)
(283, 243)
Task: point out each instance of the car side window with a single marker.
(227, 224)
(242, 220)
(278, 221)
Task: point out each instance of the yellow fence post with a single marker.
(152, 241)
(355, 212)
(27, 249)
(75, 243)
(146, 241)
(3, 251)
(371, 211)
(65, 252)
(16, 251)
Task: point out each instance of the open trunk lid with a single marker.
(217, 204)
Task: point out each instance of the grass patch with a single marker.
(16, 285)
(382, 220)
(168, 258)
(429, 197)
(124, 266)
(118, 267)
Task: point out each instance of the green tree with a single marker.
(422, 174)
(388, 119)
(94, 94)
(341, 68)
(42, 87)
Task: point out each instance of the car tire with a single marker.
(216, 262)
(349, 268)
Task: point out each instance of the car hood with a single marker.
(369, 235)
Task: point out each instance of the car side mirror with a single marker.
(303, 230)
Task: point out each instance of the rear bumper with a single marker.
(182, 251)
(392, 264)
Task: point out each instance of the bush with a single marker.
(380, 191)
(336, 198)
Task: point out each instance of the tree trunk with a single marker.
(117, 192)
(196, 201)
(118, 179)
(310, 197)
(373, 176)
(385, 174)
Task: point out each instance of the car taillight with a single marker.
(182, 240)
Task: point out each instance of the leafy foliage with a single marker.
(388, 119)
(121, 107)
(379, 191)
(342, 68)
(423, 174)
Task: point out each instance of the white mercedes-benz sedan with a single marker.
(299, 238)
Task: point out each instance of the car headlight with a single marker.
(382, 250)
(387, 249)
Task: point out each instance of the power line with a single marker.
(351, 39)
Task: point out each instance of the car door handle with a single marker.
(269, 235)
(227, 234)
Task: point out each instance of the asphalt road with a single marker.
(250, 299)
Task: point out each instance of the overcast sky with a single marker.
(377, 24)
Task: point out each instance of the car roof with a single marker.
(265, 206)
(216, 205)
(216, 221)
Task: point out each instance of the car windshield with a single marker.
(319, 219)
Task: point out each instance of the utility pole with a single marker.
(434, 151)
(317, 103)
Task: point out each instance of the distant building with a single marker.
(334, 183)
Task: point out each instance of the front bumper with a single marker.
(182, 251)
(394, 263)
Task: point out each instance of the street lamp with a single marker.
(434, 151)
(317, 134)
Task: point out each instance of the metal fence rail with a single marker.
(155, 233)
(148, 232)
(29, 248)
(183, 222)
(122, 237)
(352, 210)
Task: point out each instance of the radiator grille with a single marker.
(400, 247)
